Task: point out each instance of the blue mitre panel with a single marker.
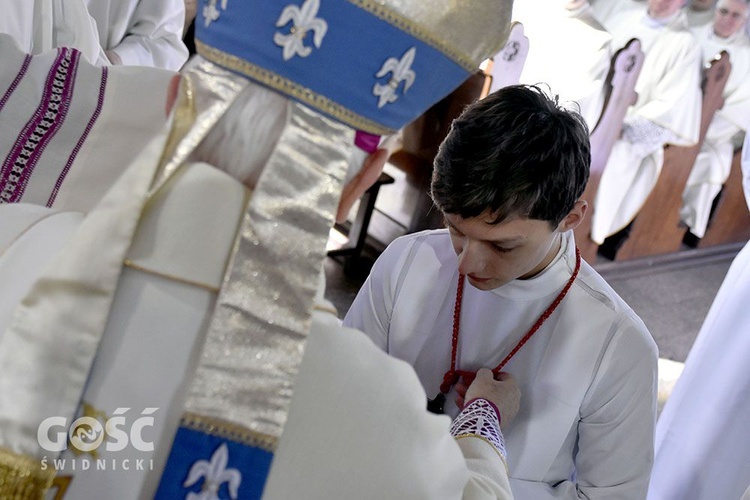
(327, 54)
(200, 461)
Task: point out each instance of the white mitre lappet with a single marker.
(399, 57)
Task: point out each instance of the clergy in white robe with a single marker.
(588, 373)
(141, 32)
(714, 161)
(700, 13)
(668, 110)
(68, 128)
(569, 51)
(38, 26)
(702, 437)
(368, 438)
(181, 274)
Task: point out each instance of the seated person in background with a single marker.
(575, 61)
(714, 161)
(668, 110)
(702, 441)
(193, 291)
(39, 26)
(141, 32)
(700, 13)
(65, 151)
(504, 286)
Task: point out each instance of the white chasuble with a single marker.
(368, 438)
(68, 129)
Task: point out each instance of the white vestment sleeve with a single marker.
(154, 36)
(370, 312)
(486, 479)
(371, 436)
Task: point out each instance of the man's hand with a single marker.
(503, 393)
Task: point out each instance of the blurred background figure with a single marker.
(714, 161)
(141, 32)
(700, 12)
(569, 50)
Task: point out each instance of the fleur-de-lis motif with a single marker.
(401, 72)
(215, 473)
(303, 20)
(211, 13)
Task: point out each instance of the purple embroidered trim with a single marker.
(16, 81)
(41, 128)
(85, 134)
(480, 418)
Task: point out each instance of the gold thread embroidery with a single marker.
(22, 477)
(408, 26)
(293, 89)
(221, 428)
(129, 263)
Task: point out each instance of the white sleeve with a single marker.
(358, 428)
(617, 418)
(372, 307)
(154, 35)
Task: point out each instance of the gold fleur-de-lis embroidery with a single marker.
(303, 20)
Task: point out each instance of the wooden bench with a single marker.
(658, 229)
(730, 222)
(623, 74)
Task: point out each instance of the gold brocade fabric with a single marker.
(257, 335)
(22, 478)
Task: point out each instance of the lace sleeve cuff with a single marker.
(480, 418)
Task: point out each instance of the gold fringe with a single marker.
(22, 477)
(221, 428)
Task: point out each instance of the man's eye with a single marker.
(500, 249)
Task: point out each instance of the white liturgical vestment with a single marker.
(714, 161)
(568, 50)
(68, 128)
(702, 437)
(357, 427)
(142, 33)
(668, 110)
(588, 376)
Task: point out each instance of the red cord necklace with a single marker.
(452, 376)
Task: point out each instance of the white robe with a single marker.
(587, 377)
(574, 62)
(714, 161)
(38, 26)
(357, 426)
(669, 96)
(106, 116)
(141, 32)
(702, 436)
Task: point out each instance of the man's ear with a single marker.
(371, 169)
(172, 92)
(575, 216)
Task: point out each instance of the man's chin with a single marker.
(485, 285)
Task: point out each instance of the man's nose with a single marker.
(470, 260)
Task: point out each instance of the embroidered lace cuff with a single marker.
(480, 418)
